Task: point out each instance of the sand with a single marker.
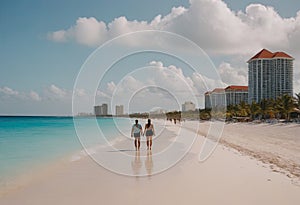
(274, 144)
(227, 177)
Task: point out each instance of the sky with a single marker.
(44, 44)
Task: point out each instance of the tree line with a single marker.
(284, 107)
(280, 108)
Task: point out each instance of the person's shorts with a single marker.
(137, 135)
(149, 133)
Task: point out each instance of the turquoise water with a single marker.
(28, 142)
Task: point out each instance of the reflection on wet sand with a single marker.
(149, 163)
(136, 164)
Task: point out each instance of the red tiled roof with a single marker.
(264, 53)
(281, 55)
(237, 87)
(218, 90)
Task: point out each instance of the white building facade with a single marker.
(215, 98)
(235, 94)
(270, 75)
(119, 110)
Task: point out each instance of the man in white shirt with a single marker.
(136, 132)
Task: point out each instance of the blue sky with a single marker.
(30, 61)
(34, 67)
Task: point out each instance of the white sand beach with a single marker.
(238, 172)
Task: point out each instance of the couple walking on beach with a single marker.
(137, 131)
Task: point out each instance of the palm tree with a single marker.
(244, 109)
(297, 100)
(273, 108)
(232, 111)
(286, 105)
(254, 109)
(264, 108)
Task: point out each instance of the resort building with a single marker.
(119, 110)
(270, 75)
(101, 110)
(235, 94)
(215, 98)
(221, 97)
(188, 106)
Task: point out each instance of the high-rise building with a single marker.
(235, 94)
(188, 106)
(97, 110)
(101, 110)
(270, 75)
(119, 110)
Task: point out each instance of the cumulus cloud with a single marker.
(86, 31)
(231, 75)
(34, 96)
(80, 92)
(9, 91)
(91, 32)
(58, 36)
(211, 24)
(56, 91)
(52, 92)
(158, 84)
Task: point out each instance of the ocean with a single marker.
(30, 142)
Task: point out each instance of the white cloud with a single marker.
(8, 91)
(91, 32)
(80, 92)
(211, 24)
(56, 91)
(34, 96)
(232, 76)
(86, 31)
(166, 86)
(58, 36)
(52, 92)
(111, 86)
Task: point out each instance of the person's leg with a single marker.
(147, 142)
(150, 142)
(138, 144)
(135, 143)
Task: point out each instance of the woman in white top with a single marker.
(149, 132)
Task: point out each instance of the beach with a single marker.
(240, 171)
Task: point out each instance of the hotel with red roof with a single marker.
(270, 75)
(221, 97)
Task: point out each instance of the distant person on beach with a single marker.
(149, 132)
(136, 132)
